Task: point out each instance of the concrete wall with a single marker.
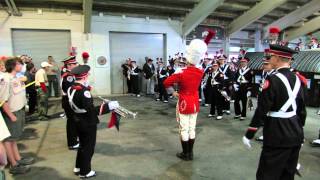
(97, 42)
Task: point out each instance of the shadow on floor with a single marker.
(117, 150)
(41, 173)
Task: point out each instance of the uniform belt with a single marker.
(281, 114)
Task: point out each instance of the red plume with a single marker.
(210, 35)
(274, 30)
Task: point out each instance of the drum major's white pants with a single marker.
(187, 126)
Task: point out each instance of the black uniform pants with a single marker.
(72, 134)
(162, 90)
(216, 101)
(207, 94)
(278, 163)
(241, 95)
(87, 137)
(135, 84)
(32, 100)
(129, 85)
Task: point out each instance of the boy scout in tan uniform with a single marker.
(14, 98)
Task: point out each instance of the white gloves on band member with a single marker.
(236, 87)
(248, 93)
(246, 142)
(113, 105)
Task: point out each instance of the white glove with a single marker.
(246, 142)
(113, 105)
(248, 93)
(236, 87)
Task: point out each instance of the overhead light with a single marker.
(101, 14)
(124, 16)
(147, 18)
(39, 11)
(68, 12)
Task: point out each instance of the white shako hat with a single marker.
(196, 51)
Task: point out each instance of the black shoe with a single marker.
(26, 161)
(75, 147)
(19, 169)
(184, 155)
(89, 175)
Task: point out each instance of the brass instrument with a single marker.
(121, 110)
(225, 95)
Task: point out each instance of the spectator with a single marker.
(42, 87)
(52, 75)
(13, 97)
(31, 90)
(3, 128)
(149, 74)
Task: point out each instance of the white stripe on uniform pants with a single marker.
(187, 126)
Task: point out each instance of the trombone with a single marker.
(123, 112)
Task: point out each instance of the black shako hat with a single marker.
(80, 71)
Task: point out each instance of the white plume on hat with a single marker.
(196, 51)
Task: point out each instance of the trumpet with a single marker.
(123, 112)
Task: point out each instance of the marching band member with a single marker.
(162, 75)
(266, 72)
(86, 119)
(227, 75)
(205, 84)
(281, 106)
(216, 83)
(188, 80)
(134, 78)
(242, 86)
(67, 80)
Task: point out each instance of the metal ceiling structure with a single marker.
(233, 15)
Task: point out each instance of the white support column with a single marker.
(295, 16)
(226, 45)
(198, 14)
(87, 13)
(308, 27)
(259, 10)
(257, 41)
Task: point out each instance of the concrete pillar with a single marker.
(257, 41)
(226, 45)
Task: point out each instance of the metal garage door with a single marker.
(134, 45)
(39, 44)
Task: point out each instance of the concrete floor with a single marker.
(145, 147)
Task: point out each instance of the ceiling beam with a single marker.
(16, 12)
(259, 10)
(198, 14)
(295, 16)
(87, 13)
(308, 27)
